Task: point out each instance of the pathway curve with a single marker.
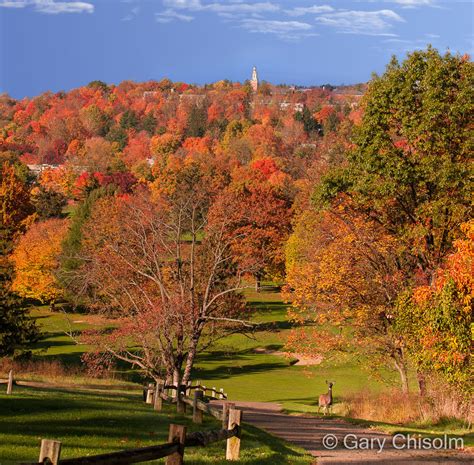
(308, 432)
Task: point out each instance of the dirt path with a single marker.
(308, 432)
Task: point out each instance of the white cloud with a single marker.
(315, 9)
(132, 15)
(217, 7)
(413, 3)
(183, 4)
(169, 15)
(361, 22)
(289, 30)
(14, 3)
(233, 11)
(53, 7)
(262, 7)
(50, 6)
(259, 17)
(410, 3)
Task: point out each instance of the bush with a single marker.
(440, 405)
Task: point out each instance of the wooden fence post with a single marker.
(157, 399)
(197, 414)
(221, 393)
(204, 389)
(188, 389)
(233, 443)
(10, 382)
(50, 450)
(226, 406)
(177, 433)
(149, 394)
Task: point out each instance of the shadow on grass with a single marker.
(72, 358)
(274, 326)
(226, 371)
(280, 452)
(89, 424)
(266, 306)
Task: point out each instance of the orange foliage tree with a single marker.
(342, 272)
(154, 263)
(442, 344)
(36, 261)
(256, 208)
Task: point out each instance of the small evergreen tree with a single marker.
(48, 203)
(197, 122)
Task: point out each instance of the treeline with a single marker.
(166, 199)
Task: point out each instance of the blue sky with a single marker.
(58, 45)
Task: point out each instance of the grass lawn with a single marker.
(236, 365)
(245, 374)
(89, 424)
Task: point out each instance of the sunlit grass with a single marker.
(89, 424)
(245, 366)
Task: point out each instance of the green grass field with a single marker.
(89, 424)
(235, 363)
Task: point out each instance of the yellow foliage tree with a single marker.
(341, 273)
(36, 260)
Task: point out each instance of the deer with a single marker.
(325, 400)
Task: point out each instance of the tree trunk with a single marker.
(402, 370)
(421, 382)
(257, 283)
(176, 380)
(189, 363)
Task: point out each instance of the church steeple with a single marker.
(254, 80)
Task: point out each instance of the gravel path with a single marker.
(308, 432)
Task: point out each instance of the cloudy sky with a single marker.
(57, 45)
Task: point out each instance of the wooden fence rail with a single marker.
(186, 388)
(173, 450)
(178, 439)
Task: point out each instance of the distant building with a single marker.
(149, 94)
(297, 107)
(39, 168)
(197, 99)
(348, 92)
(254, 80)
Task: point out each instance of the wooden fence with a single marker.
(178, 439)
(157, 393)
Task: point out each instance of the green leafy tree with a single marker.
(409, 173)
(149, 124)
(119, 135)
(310, 124)
(129, 120)
(98, 85)
(69, 260)
(17, 330)
(197, 122)
(410, 170)
(48, 203)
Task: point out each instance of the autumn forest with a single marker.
(156, 206)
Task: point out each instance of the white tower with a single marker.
(254, 80)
